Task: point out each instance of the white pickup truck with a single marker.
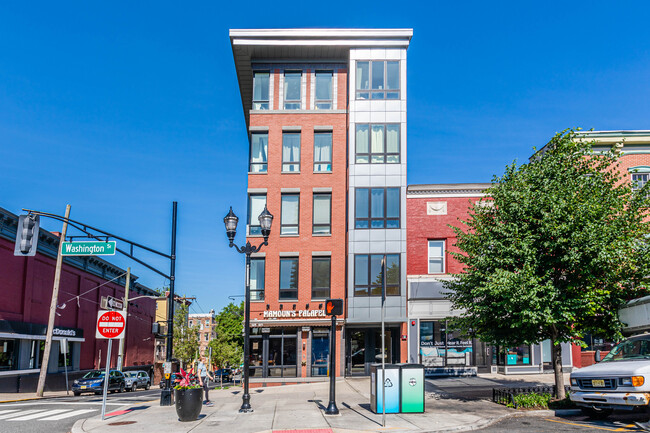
(620, 381)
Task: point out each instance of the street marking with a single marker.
(19, 413)
(67, 415)
(8, 411)
(589, 425)
(39, 414)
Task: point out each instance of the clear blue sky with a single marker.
(119, 108)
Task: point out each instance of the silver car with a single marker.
(137, 379)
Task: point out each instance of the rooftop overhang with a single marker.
(447, 190)
(287, 45)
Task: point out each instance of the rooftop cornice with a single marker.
(344, 36)
(449, 189)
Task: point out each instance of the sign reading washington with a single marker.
(90, 248)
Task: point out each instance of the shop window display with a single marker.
(442, 348)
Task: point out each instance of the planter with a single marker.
(188, 403)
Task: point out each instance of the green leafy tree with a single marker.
(186, 338)
(228, 347)
(554, 253)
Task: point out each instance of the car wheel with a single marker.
(134, 388)
(147, 386)
(121, 387)
(76, 394)
(596, 413)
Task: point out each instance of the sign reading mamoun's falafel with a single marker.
(290, 314)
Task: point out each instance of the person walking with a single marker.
(204, 374)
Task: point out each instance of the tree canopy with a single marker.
(186, 338)
(228, 347)
(552, 252)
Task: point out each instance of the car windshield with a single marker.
(94, 374)
(634, 348)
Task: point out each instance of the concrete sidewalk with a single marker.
(301, 407)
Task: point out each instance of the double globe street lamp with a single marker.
(231, 221)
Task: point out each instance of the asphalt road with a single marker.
(622, 422)
(57, 415)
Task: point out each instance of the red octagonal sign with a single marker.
(110, 324)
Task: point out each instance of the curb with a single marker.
(491, 421)
(33, 398)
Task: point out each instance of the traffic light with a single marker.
(334, 307)
(27, 235)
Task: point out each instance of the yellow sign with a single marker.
(167, 375)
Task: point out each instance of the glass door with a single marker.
(320, 351)
(357, 353)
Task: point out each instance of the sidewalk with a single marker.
(301, 407)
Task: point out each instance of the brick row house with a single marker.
(325, 111)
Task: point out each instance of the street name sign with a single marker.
(110, 324)
(88, 248)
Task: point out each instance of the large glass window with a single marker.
(323, 100)
(261, 90)
(377, 80)
(257, 278)
(322, 152)
(291, 152)
(377, 208)
(290, 214)
(259, 149)
(292, 81)
(519, 355)
(436, 257)
(377, 144)
(320, 277)
(8, 354)
(441, 347)
(36, 353)
(64, 359)
(322, 213)
(368, 274)
(256, 203)
(288, 278)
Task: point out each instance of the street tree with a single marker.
(186, 338)
(228, 346)
(553, 252)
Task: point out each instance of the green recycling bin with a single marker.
(411, 388)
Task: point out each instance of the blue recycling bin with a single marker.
(392, 384)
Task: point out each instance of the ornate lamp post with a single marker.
(230, 221)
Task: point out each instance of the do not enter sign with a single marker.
(110, 324)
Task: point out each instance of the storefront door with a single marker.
(320, 350)
(364, 348)
(274, 353)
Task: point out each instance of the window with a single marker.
(292, 81)
(638, 180)
(377, 208)
(290, 212)
(261, 90)
(257, 279)
(368, 278)
(189, 323)
(322, 213)
(8, 354)
(259, 148)
(322, 152)
(320, 277)
(291, 152)
(323, 100)
(436, 257)
(288, 278)
(378, 80)
(256, 203)
(377, 144)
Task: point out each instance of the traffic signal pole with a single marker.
(53, 304)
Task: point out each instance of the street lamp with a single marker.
(230, 221)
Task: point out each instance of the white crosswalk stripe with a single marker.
(19, 413)
(8, 411)
(67, 415)
(39, 414)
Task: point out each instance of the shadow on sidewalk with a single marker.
(365, 406)
(318, 403)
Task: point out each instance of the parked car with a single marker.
(93, 381)
(620, 381)
(224, 374)
(176, 379)
(137, 379)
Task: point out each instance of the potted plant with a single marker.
(188, 399)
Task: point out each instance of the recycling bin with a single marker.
(392, 400)
(411, 388)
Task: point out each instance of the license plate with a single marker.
(83, 387)
(598, 383)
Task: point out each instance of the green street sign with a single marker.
(90, 248)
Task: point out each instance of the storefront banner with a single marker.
(269, 314)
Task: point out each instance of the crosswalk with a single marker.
(41, 414)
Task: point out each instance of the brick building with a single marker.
(207, 325)
(325, 111)
(25, 294)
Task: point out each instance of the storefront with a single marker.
(22, 346)
(363, 348)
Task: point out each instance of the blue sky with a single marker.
(119, 108)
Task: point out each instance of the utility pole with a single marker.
(53, 304)
(120, 353)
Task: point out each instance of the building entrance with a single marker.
(363, 348)
(274, 352)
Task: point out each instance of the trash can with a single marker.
(411, 388)
(392, 388)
